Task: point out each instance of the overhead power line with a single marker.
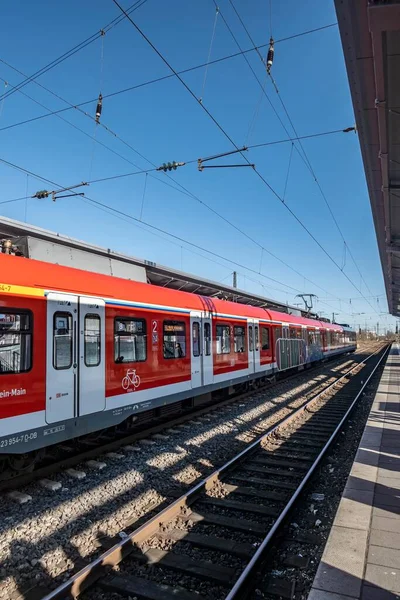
(131, 217)
(182, 189)
(152, 81)
(308, 163)
(15, 200)
(219, 126)
(73, 50)
(192, 195)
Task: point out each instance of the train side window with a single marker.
(257, 341)
(207, 339)
(196, 338)
(174, 339)
(15, 342)
(130, 340)
(264, 338)
(223, 339)
(62, 340)
(92, 340)
(239, 338)
(251, 342)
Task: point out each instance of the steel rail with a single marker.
(243, 586)
(19, 480)
(87, 576)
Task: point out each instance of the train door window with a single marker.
(130, 340)
(15, 342)
(257, 336)
(92, 340)
(223, 339)
(311, 338)
(292, 333)
(264, 338)
(251, 342)
(196, 338)
(239, 339)
(62, 340)
(207, 339)
(277, 333)
(174, 339)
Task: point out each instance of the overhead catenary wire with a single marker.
(143, 196)
(209, 54)
(186, 192)
(15, 200)
(219, 126)
(308, 163)
(97, 141)
(288, 172)
(131, 217)
(191, 195)
(156, 80)
(74, 50)
(303, 153)
(204, 203)
(2, 101)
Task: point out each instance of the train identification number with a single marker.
(26, 437)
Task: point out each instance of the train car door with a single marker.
(201, 350)
(196, 348)
(251, 344)
(257, 360)
(92, 370)
(207, 351)
(61, 357)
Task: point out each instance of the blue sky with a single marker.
(164, 123)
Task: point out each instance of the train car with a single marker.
(81, 352)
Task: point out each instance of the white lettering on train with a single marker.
(13, 392)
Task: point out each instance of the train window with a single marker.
(15, 342)
(311, 337)
(62, 340)
(239, 339)
(92, 340)
(292, 333)
(207, 339)
(130, 340)
(264, 338)
(257, 340)
(174, 339)
(196, 338)
(223, 339)
(251, 342)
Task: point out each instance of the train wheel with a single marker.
(23, 463)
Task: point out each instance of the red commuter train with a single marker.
(81, 352)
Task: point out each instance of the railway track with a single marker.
(64, 456)
(211, 541)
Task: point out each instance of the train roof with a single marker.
(20, 271)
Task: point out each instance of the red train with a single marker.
(81, 352)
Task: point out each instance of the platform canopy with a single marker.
(40, 244)
(370, 33)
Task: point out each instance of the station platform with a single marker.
(361, 559)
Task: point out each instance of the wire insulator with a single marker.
(270, 55)
(98, 108)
